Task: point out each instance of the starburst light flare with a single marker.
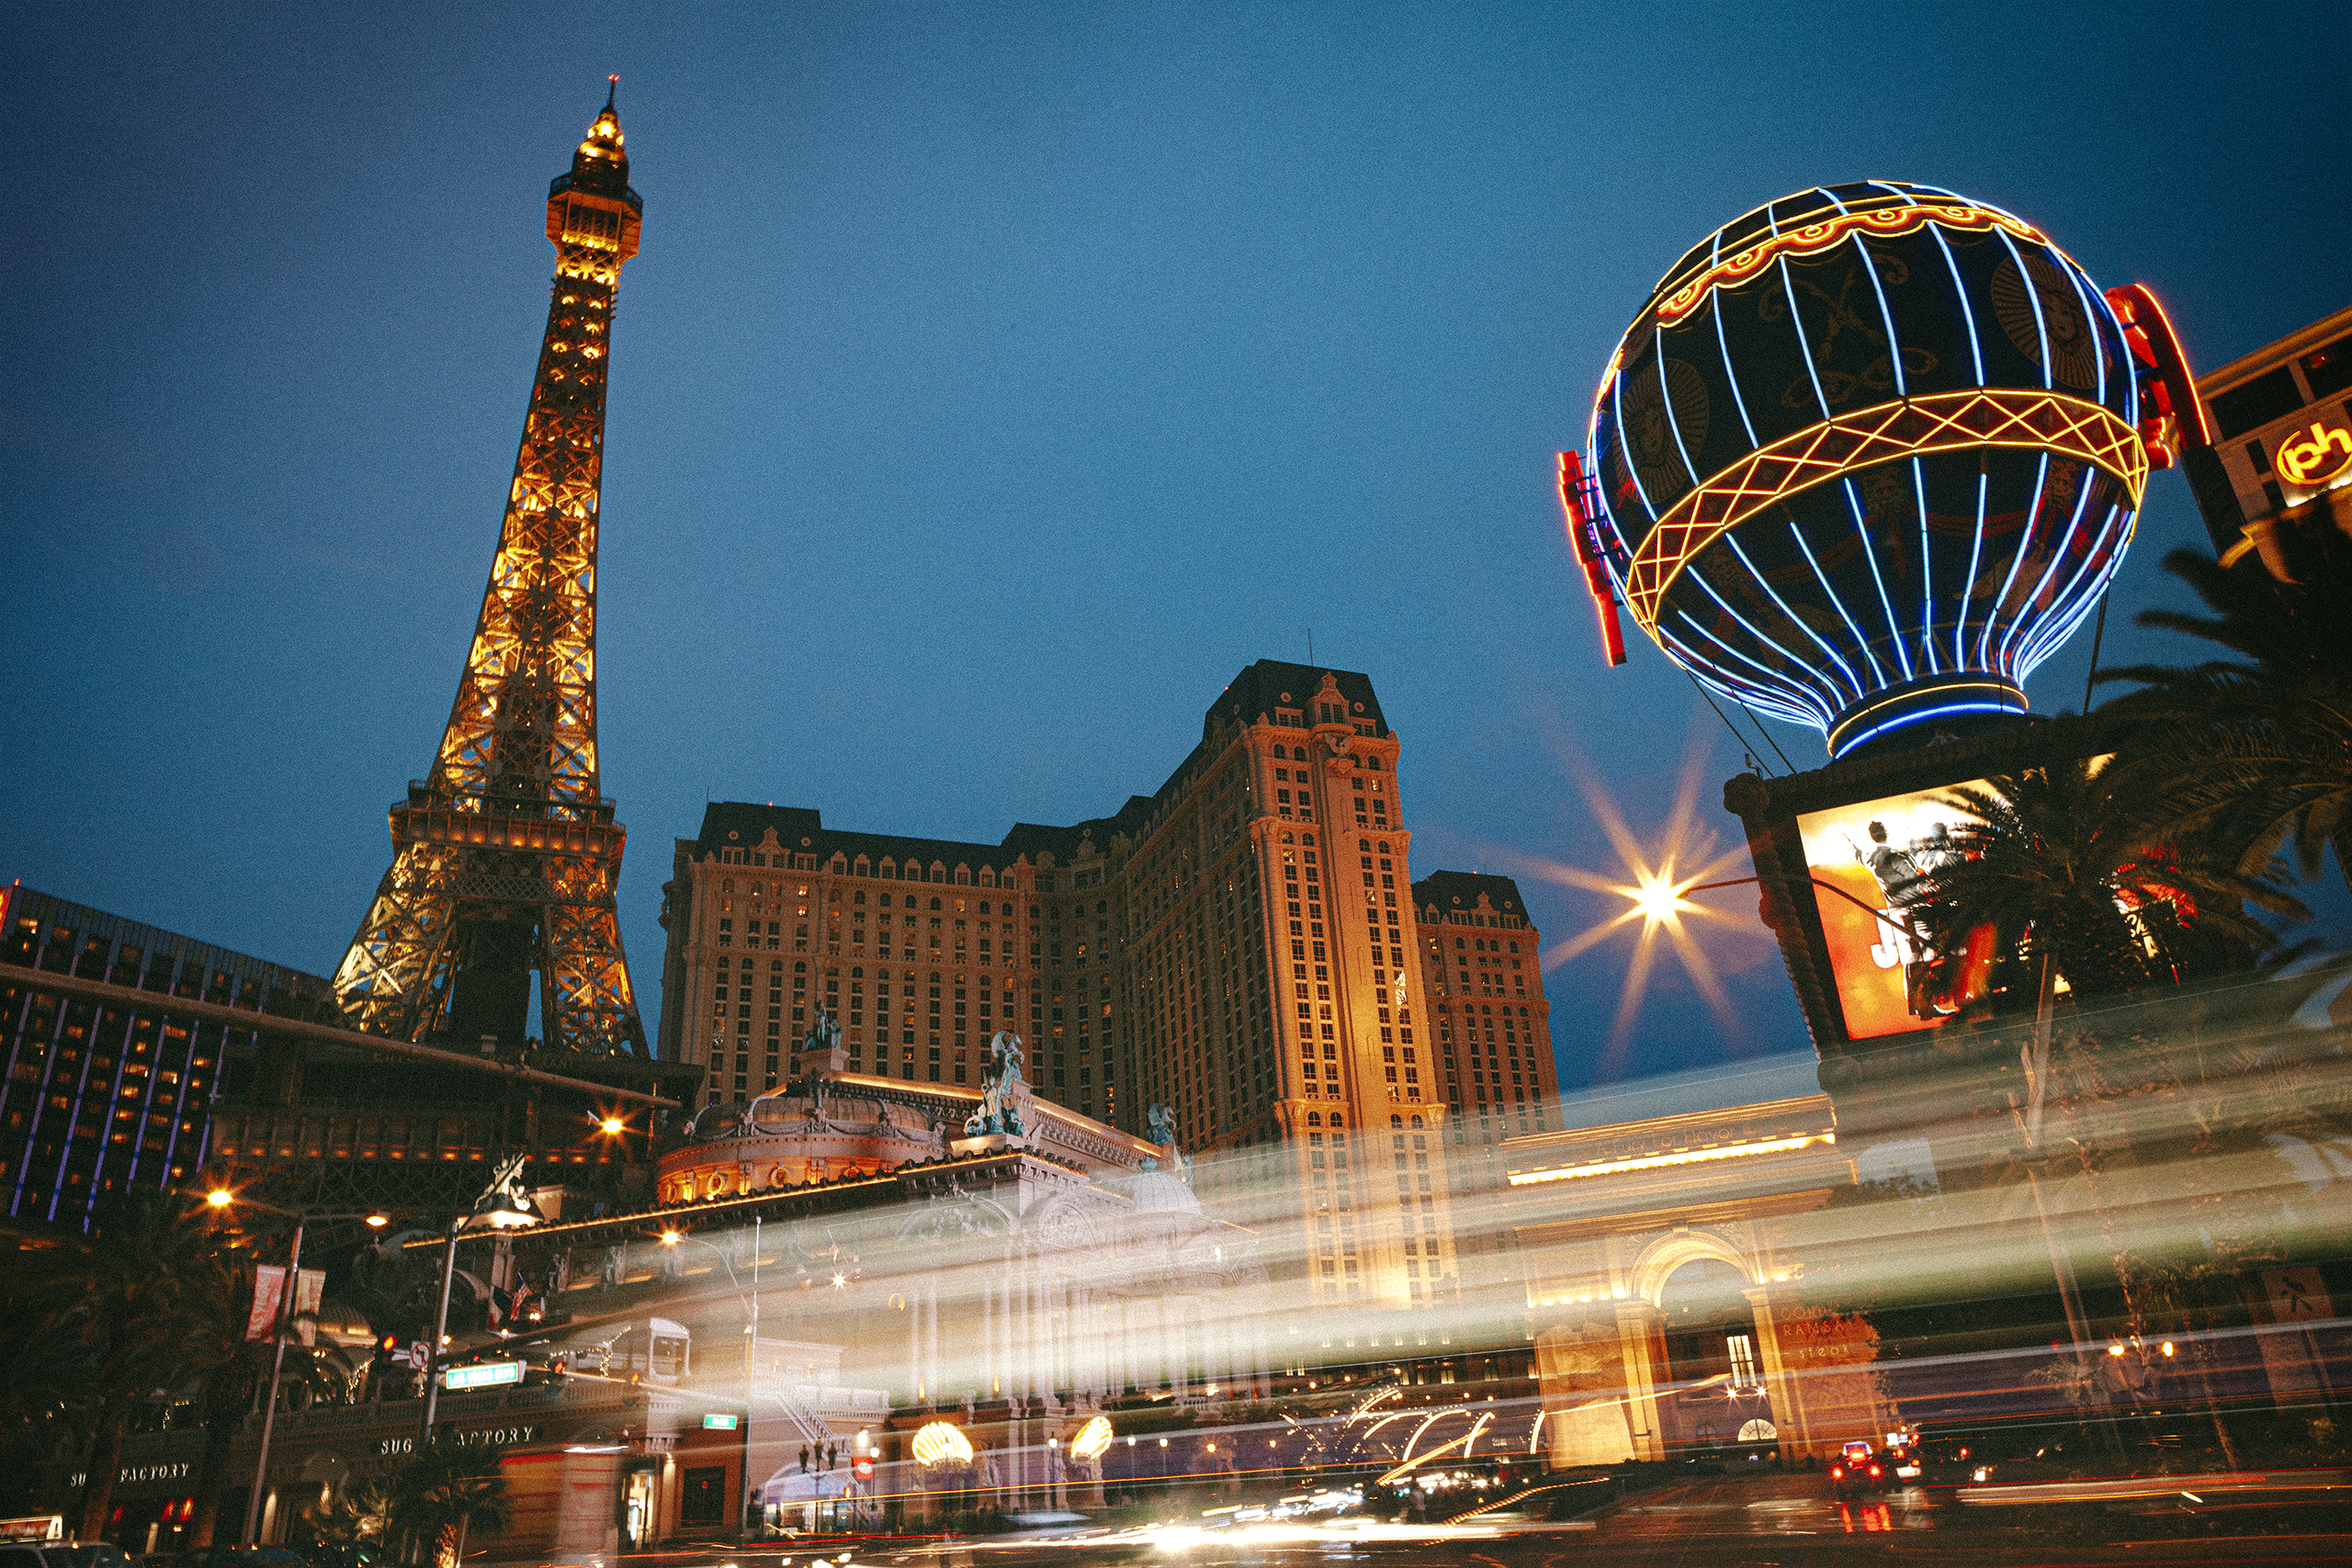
(1686, 854)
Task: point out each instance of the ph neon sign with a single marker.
(2315, 457)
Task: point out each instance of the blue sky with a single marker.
(994, 383)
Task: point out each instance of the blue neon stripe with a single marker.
(1921, 717)
(1773, 698)
(2023, 625)
(1780, 680)
(1617, 418)
(1796, 321)
(1834, 699)
(1747, 693)
(2095, 320)
(1927, 571)
(2100, 563)
(1861, 527)
(1894, 343)
(1968, 314)
(1878, 674)
(1731, 542)
(1739, 398)
(2033, 298)
(1975, 555)
(2017, 560)
(2091, 578)
(2028, 630)
(1673, 426)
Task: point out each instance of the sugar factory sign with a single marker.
(132, 1474)
(484, 1438)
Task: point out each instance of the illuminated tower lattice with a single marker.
(505, 861)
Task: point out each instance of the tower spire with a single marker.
(506, 858)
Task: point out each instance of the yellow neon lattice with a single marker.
(1884, 222)
(1944, 421)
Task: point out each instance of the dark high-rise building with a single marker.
(107, 1094)
(159, 1088)
(506, 859)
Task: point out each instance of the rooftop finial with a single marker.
(604, 140)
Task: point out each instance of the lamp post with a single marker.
(751, 1306)
(501, 1206)
(222, 1198)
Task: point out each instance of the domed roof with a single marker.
(1156, 1191)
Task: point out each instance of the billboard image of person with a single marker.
(1878, 853)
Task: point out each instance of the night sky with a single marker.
(994, 384)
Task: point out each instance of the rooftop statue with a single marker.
(999, 1108)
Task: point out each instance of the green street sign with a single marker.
(483, 1374)
(720, 1423)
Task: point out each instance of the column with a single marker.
(1781, 1390)
(1639, 1341)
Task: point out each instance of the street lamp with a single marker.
(501, 1206)
(750, 1305)
(220, 1198)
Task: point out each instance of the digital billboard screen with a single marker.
(1867, 851)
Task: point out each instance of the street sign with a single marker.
(419, 1355)
(482, 1374)
(720, 1423)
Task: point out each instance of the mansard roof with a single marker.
(1451, 890)
(1262, 688)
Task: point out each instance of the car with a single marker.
(1042, 1524)
(1853, 1477)
(346, 1554)
(61, 1554)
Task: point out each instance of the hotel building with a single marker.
(1242, 946)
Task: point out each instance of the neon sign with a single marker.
(1810, 238)
(2313, 456)
(1913, 427)
(1870, 494)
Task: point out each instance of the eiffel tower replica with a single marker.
(505, 860)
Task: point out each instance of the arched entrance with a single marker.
(1713, 1387)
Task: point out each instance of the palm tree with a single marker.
(2057, 866)
(130, 1312)
(2261, 743)
(2056, 862)
(447, 1490)
(361, 1511)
